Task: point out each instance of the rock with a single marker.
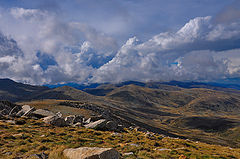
(69, 119)
(26, 110)
(93, 119)
(87, 121)
(14, 111)
(55, 121)
(150, 135)
(77, 124)
(136, 145)
(103, 124)
(78, 119)
(98, 125)
(128, 154)
(10, 121)
(40, 156)
(41, 113)
(91, 153)
(73, 119)
(164, 149)
(59, 114)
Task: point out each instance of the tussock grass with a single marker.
(35, 137)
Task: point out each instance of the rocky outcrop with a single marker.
(98, 125)
(93, 119)
(91, 153)
(94, 122)
(73, 119)
(55, 121)
(25, 111)
(103, 124)
(8, 108)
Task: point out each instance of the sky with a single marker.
(97, 41)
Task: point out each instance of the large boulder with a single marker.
(26, 110)
(41, 113)
(55, 121)
(93, 119)
(103, 124)
(98, 125)
(91, 153)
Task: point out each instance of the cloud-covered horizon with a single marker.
(37, 46)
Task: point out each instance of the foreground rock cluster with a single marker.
(95, 122)
(10, 110)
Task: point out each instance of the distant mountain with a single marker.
(74, 85)
(102, 89)
(64, 93)
(210, 85)
(13, 91)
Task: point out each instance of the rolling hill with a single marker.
(201, 114)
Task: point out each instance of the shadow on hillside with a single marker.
(209, 124)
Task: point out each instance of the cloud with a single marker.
(48, 49)
(229, 14)
(191, 53)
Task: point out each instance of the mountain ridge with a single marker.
(156, 107)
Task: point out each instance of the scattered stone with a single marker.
(91, 153)
(59, 114)
(10, 121)
(14, 111)
(77, 125)
(140, 129)
(136, 145)
(41, 156)
(117, 134)
(87, 121)
(73, 119)
(69, 119)
(8, 153)
(93, 119)
(41, 113)
(55, 121)
(150, 135)
(164, 149)
(128, 154)
(78, 119)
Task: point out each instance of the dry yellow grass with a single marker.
(36, 137)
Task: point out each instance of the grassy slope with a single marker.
(36, 137)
